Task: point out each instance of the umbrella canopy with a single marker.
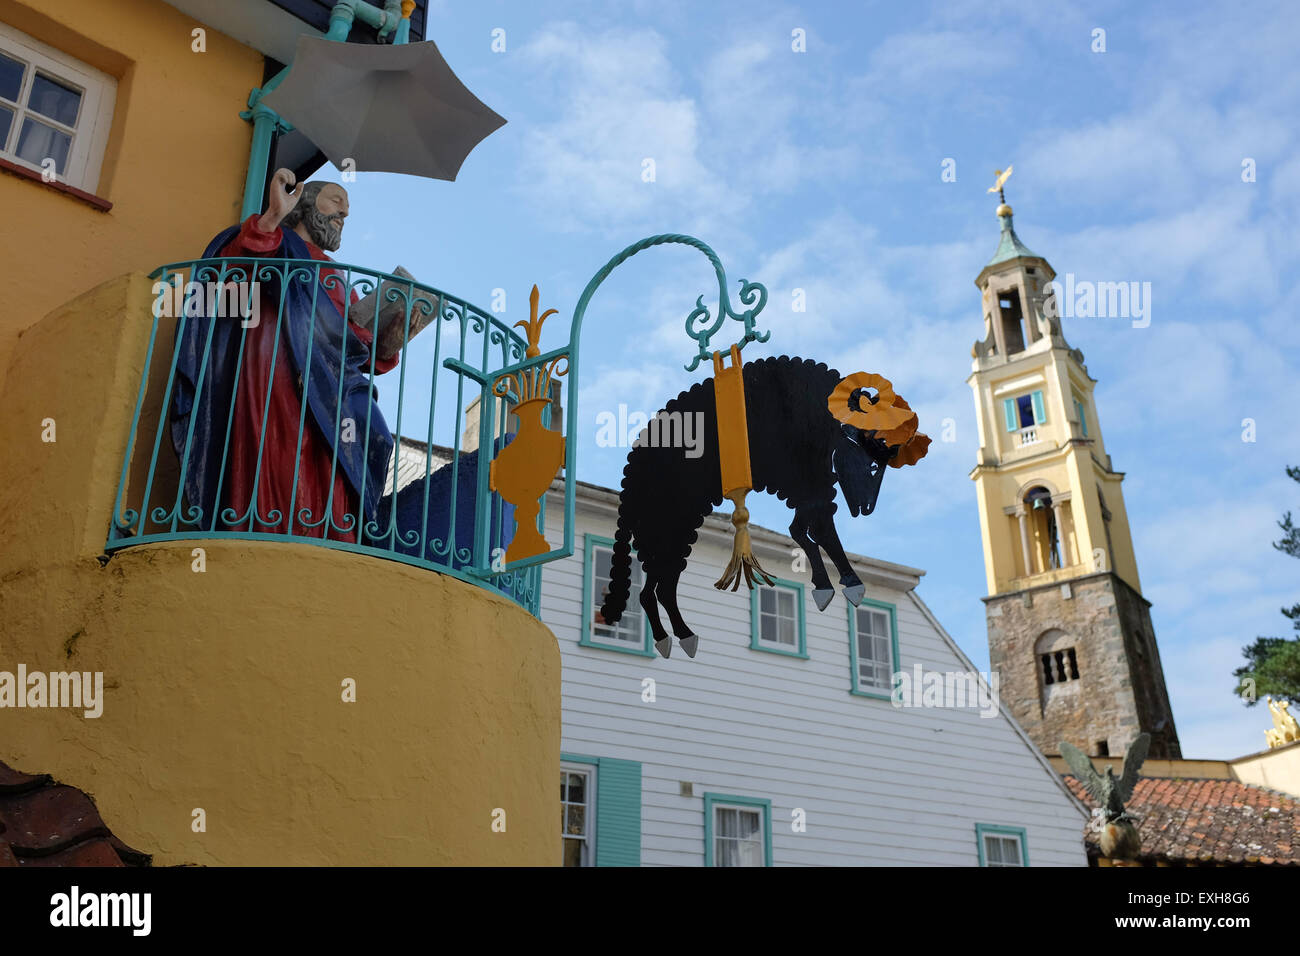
(388, 108)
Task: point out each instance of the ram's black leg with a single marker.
(663, 642)
(823, 526)
(822, 590)
(666, 591)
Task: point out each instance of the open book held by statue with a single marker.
(383, 313)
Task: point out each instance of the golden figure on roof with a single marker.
(1002, 176)
(1285, 729)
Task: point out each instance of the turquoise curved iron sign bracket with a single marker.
(753, 294)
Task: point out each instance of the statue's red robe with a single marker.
(317, 491)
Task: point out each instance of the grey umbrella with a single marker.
(388, 108)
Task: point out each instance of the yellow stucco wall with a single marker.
(1277, 769)
(174, 165)
(224, 688)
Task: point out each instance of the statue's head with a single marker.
(320, 213)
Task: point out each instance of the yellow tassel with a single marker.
(743, 564)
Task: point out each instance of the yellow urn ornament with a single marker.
(525, 468)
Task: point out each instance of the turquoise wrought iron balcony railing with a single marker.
(329, 404)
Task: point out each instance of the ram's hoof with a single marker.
(854, 593)
(823, 597)
(664, 646)
(689, 644)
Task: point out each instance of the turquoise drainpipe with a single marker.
(393, 17)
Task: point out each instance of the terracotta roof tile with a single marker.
(43, 823)
(1213, 821)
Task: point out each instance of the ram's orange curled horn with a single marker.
(881, 416)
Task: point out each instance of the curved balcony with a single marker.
(331, 405)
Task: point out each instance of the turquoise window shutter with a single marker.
(1039, 415)
(1009, 409)
(618, 812)
(1083, 417)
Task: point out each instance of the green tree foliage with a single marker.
(1273, 663)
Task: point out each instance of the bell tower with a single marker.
(1069, 631)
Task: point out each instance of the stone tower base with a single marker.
(1119, 690)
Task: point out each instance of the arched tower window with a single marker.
(1046, 534)
(1013, 320)
(1057, 661)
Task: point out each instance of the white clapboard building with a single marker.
(780, 744)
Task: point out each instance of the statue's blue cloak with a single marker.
(321, 349)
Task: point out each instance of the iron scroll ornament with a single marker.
(753, 294)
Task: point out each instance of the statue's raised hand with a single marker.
(285, 191)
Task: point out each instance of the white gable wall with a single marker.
(878, 784)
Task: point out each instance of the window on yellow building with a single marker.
(55, 111)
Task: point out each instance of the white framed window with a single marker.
(630, 633)
(875, 648)
(1001, 846)
(55, 111)
(578, 814)
(738, 831)
(776, 619)
(778, 622)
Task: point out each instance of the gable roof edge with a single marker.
(1020, 732)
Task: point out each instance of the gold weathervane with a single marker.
(1002, 176)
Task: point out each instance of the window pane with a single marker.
(11, 78)
(577, 825)
(1010, 851)
(573, 853)
(767, 628)
(1025, 404)
(787, 631)
(727, 824)
(38, 141)
(577, 788)
(767, 600)
(785, 600)
(883, 651)
(751, 853)
(880, 623)
(54, 99)
(992, 850)
(726, 853)
(872, 622)
(749, 823)
(6, 121)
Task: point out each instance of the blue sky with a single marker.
(821, 171)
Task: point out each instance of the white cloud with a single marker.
(619, 103)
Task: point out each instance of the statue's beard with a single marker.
(325, 231)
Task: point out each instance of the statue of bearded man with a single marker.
(319, 474)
